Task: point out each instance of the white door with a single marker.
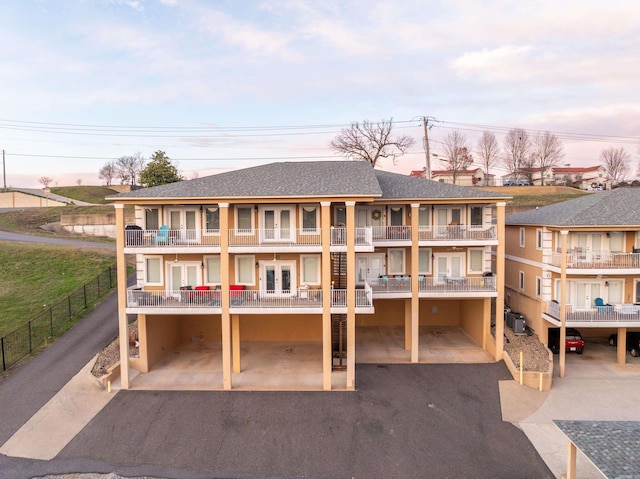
(446, 217)
(185, 223)
(589, 246)
(448, 266)
(278, 278)
(586, 294)
(181, 275)
(369, 266)
(372, 216)
(277, 223)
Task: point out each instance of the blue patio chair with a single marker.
(602, 307)
(162, 237)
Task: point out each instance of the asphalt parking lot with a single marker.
(405, 421)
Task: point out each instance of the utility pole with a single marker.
(427, 171)
(4, 171)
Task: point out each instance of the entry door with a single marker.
(278, 278)
(447, 217)
(185, 223)
(369, 266)
(448, 266)
(277, 223)
(586, 294)
(372, 216)
(590, 246)
(182, 274)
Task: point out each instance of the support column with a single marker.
(327, 358)
(235, 341)
(123, 327)
(351, 295)
(563, 301)
(224, 295)
(500, 259)
(407, 324)
(621, 352)
(571, 461)
(415, 284)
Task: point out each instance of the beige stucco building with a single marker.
(577, 264)
(326, 258)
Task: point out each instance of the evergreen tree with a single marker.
(159, 171)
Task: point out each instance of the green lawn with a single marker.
(33, 277)
(88, 194)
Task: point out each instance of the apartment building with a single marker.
(577, 264)
(276, 276)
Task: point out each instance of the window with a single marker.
(521, 281)
(213, 218)
(309, 219)
(340, 216)
(521, 237)
(538, 286)
(152, 218)
(396, 216)
(396, 261)
(475, 260)
(424, 220)
(245, 270)
(637, 290)
(244, 218)
(310, 265)
(476, 215)
(615, 242)
(538, 238)
(212, 266)
(153, 270)
(424, 261)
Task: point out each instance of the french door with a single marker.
(185, 224)
(589, 246)
(372, 216)
(369, 266)
(586, 294)
(446, 217)
(448, 266)
(278, 278)
(278, 223)
(181, 275)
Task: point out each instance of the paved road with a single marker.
(9, 236)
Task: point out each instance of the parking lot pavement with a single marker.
(409, 421)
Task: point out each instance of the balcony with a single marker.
(139, 238)
(459, 233)
(364, 239)
(250, 301)
(620, 315)
(598, 260)
(432, 286)
(391, 235)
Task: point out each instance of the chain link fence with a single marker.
(29, 337)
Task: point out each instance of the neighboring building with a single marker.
(475, 177)
(577, 264)
(315, 261)
(584, 178)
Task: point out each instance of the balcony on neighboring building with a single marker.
(577, 259)
(616, 315)
(428, 286)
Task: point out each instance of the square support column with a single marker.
(351, 295)
(123, 326)
(235, 339)
(415, 284)
(327, 353)
(224, 295)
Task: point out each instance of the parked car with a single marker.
(633, 342)
(573, 341)
(509, 183)
(522, 182)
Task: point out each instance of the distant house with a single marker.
(584, 178)
(475, 177)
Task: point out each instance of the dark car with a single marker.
(633, 342)
(573, 341)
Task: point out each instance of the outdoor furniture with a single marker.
(162, 237)
(602, 307)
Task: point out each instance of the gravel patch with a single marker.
(535, 355)
(111, 354)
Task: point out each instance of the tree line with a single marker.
(135, 171)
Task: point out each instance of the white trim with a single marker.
(317, 281)
(482, 269)
(206, 270)
(521, 278)
(244, 231)
(118, 206)
(522, 237)
(237, 270)
(404, 261)
(144, 265)
(430, 262)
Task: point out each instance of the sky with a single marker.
(219, 85)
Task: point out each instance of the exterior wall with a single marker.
(286, 327)
(158, 335)
(389, 312)
(445, 312)
(472, 318)
(208, 327)
(16, 199)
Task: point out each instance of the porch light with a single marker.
(176, 260)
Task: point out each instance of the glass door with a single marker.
(182, 275)
(278, 278)
(586, 294)
(369, 266)
(184, 225)
(277, 224)
(448, 266)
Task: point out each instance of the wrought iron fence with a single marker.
(30, 336)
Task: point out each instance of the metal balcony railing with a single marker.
(139, 238)
(597, 314)
(275, 237)
(428, 284)
(363, 237)
(461, 233)
(598, 260)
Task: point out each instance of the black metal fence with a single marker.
(32, 335)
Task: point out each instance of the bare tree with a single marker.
(108, 172)
(616, 163)
(45, 181)
(547, 152)
(517, 147)
(130, 167)
(370, 141)
(458, 157)
(488, 152)
(79, 182)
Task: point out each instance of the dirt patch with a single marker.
(535, 355)
(111, 354)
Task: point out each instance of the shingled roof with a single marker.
(619, 207)
(308, 179)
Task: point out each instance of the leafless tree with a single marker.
(79, 182)
(517, 146)
(45, 181)
(547, 152)
(488, 152)
(370, 141)
(457, 155)
(108, 172)
(616, 163)
(130, 167)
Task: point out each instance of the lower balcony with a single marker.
(617, 315)
(206, 301)
(429, 286)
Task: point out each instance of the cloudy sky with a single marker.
(225, 84)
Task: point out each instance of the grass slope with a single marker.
(88, 194)
(33, 277)
(536, 195)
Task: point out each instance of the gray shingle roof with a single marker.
(619, 207)
(319, 178)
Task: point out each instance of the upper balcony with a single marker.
(600, 260)
(458, 234)
(619, 315)
(429, 286)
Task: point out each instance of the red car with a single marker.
(573, 341)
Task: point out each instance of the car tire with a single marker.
(580, 351)
(634, 352)
(612, 341)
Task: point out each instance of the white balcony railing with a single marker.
(391, 233)
(364, 237)
(433, 284)
(138, 238)
(597, 314)
(461, 233)
(363, 297)
(275, 237)
(598, 260)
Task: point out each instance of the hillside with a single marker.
(536, 195)
(88, 194)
